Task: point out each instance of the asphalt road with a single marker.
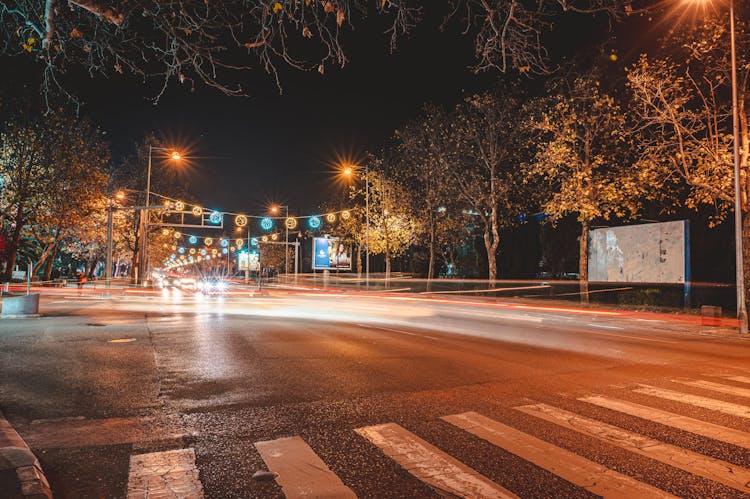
(366, 381)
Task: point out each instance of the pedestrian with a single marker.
(81, 278)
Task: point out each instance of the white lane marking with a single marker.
(710, 430)
(739, 379)
(714, 469)
(431, 465)
(616, 335)
(367, 326)
(169, 474)
(716, 387)
(604, 326)
(696, 400)
(578, 470)
(301, 473)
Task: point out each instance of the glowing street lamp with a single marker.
(348, 171)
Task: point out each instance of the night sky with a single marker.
(247, 152)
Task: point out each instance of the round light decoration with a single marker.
(266, 223)
(174, 247)
(208, 241)
(254, 241)
(330, 218)
(313, 222)
(181, 250)
(264, 239)
(193, 239)
(165, 231)
(179, 205)
(345, 215)
(215, 217)
(167, 204)
(197, 211)
(208, 258)
(274, 236)
(177, 235)
(232, 249)
(240, 220)
(239, 242)
(203, 252)
(290, 223)
(172, 256)
(214, 251)
(224, 243)
(192, 251)
(224, 251)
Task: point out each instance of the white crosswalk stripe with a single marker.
(714, 469)
(696, 400)
(430, 464)
(716, 387)
(166, 475)
(301, 473)
(685, 423)
(577, 470)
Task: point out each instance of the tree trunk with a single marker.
(431, 268)
(583, 263)
(491, 257)
(50, 264)
(359, 261)
(15, 240)
(387, 267)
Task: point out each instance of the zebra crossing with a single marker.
(300, 471)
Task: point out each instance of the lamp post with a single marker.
(275, 209)
(739, 260)
(143, 260)
(347, 171)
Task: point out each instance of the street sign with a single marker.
(249, 260)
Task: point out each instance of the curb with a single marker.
(19, 468)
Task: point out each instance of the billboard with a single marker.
(654, 253)
(330, 254)
(248, 260)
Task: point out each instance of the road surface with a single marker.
(374, 395)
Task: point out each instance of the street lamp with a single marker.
(348, 172)
(275, 210)
(739, 261)
(143, 260)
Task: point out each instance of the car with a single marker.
(212, 286)
(168, 282)
(188, 284)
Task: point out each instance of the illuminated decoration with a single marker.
(345, 215)
(330, 218)
(167, 204)
(254, 241)
(239, 243)
(190, 258)
(224, 243)
(208, 241)
(290, 223)
(199, 259)
(165, 231)
(313, 222)
(165, 245)
(232, 249)
(182, 257)
(177, 235)
(179, 205)
(224, 251)
(214, 251)
(181, 250)
(173, 256)
(197, 211)
(208, 258)
(240, 220)
(174, 247)
(193, 239)
(266, 223)
(215, 217)
(192, 251)
(203, 252)
(264, 239)
(274, 236)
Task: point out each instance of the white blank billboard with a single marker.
(657, 252)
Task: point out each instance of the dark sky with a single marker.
(250, 151)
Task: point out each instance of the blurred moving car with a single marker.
(188, 284)
(212, 286)
(167, 282)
